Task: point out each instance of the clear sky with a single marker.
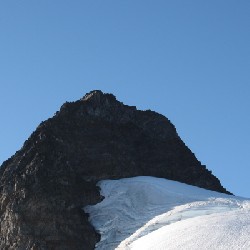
(189, 60)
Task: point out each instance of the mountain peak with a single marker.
(45, 185)
(93, 94)
(97, 96)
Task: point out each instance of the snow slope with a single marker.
(153, 213)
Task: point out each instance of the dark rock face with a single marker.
(45, 185)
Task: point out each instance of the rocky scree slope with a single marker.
(45, 185)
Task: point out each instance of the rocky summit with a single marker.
(46, 184)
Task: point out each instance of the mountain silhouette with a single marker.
(46, 184)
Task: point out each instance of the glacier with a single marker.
(154, 213)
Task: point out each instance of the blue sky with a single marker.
(189, 60)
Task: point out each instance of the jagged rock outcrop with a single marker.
(45, 185)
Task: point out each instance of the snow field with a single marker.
(154, 213)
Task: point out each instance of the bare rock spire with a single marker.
(45, 185)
